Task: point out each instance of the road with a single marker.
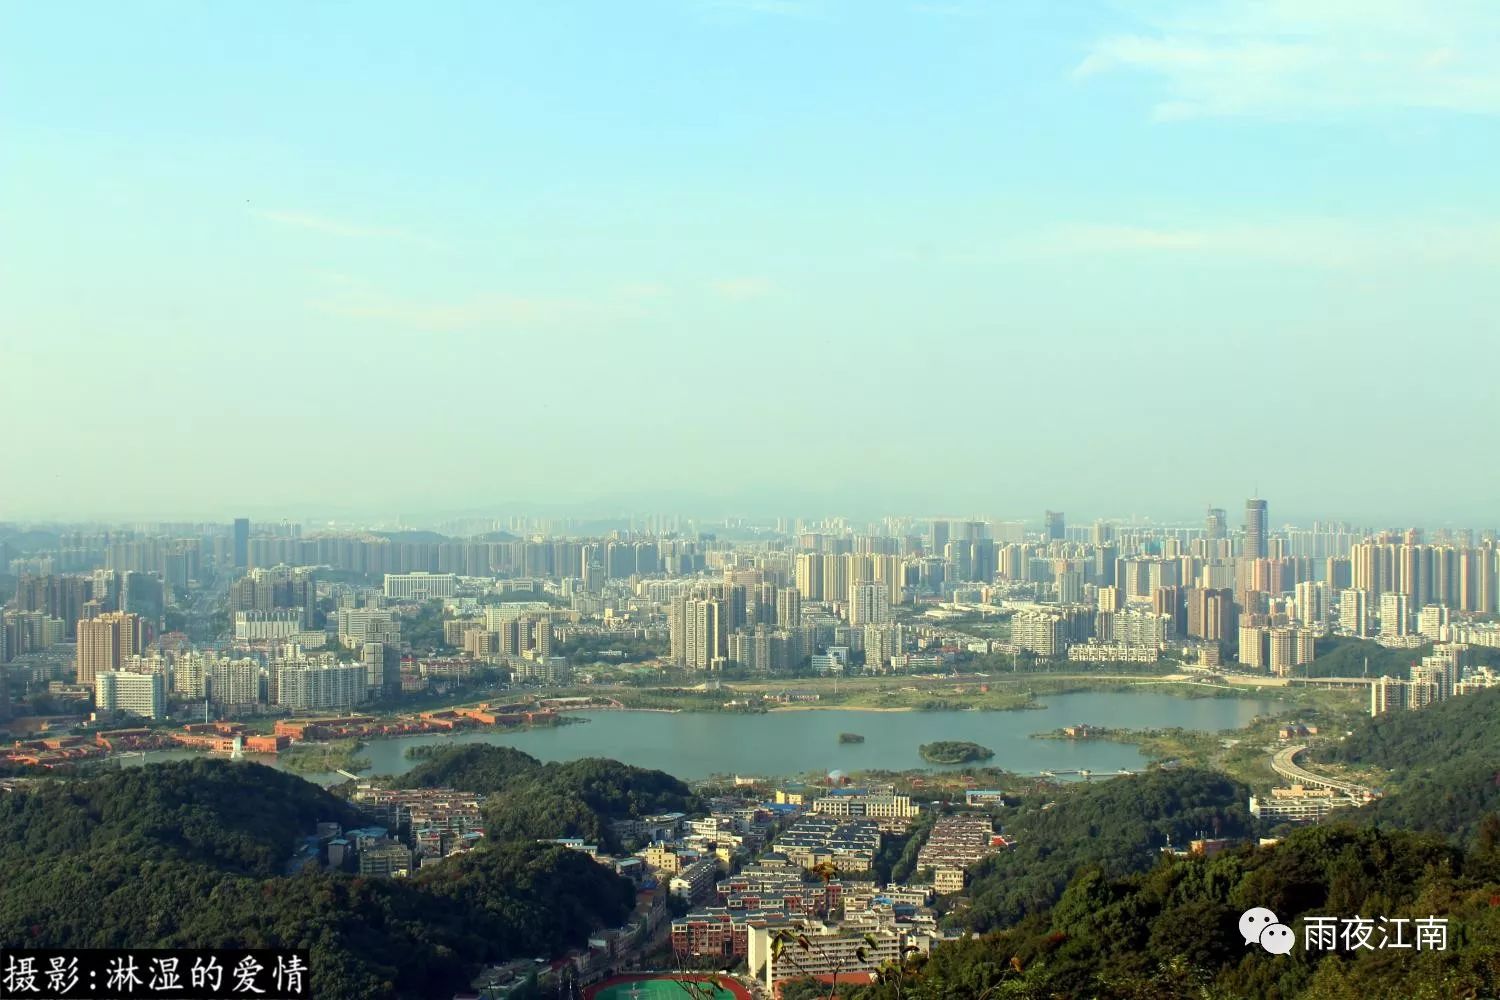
(1284, 763)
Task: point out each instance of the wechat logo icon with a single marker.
(1258, 925)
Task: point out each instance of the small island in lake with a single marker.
(954, 752)
(851, 738)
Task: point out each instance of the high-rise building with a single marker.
(4, 688)
(1395, 614)
(1432, 620)
(139, 694)
(809, 579)
(788, 607)
(1255, 647)
(1387, 694)
(309, 687)
(1256, 546)
(1312, 601)
(1216, 524)
(1211, 614)
(705, 639)
(869, 604)
(241, 542)
(63, 597)
(1354, 612)
(143, 594)
(1056, 526)
(105, 642)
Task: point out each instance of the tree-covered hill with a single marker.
(1452, 799)
(530, 800)
(1434, 735)
(1342, 656)
(191, 866)
(475, 767)
(241, 817)
(1119, 825)
(1171, 933)
(1444, 762)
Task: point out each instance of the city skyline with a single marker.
(1214, 521)
(721, 254)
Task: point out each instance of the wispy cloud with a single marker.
(741, 288)
(1310, 242)
(1312, 58)
(340, 227)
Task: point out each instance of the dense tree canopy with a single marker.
(1171, 932)
(1342, 656)
(1434, 735)
(530, 800)
(1445, 764)
(189, 855)
(475, 767)
(1119, 825)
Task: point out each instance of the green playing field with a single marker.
(654, 989)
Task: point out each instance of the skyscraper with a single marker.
(1216, 524)
(1055, 526)
(241, 542)
(1255, 529)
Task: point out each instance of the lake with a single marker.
(694, 745)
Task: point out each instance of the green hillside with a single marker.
(188, 854)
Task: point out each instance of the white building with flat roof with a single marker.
(420, 585)
(139, 694)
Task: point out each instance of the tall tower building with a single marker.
(1056, 527)
(241, 542)
(105, 642)
(1255, 529)
(1216, 524)
(788, 607)
(705, 639)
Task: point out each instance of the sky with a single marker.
(750, 256)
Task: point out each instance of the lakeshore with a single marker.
(697, 745)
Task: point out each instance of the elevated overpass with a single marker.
(1284, 763)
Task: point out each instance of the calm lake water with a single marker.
(698, 744)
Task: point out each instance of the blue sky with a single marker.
(750, 255)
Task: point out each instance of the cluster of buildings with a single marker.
(436, 822)
(955, 845)
(778, 597)
(1299, 803)
(814, 883)
(1447, 672)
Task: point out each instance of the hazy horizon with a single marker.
(751, 256)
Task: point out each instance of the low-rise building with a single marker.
(695, 883)
(1299, 804)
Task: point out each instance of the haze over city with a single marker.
(750, 256)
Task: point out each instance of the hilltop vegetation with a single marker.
(1171, 932)
(530, 800)
(1446, 765)
(1432, 736)
(1347, 657)
(1119, 826)
(199, 811)
(188, 855)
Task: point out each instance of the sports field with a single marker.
(658, 988)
